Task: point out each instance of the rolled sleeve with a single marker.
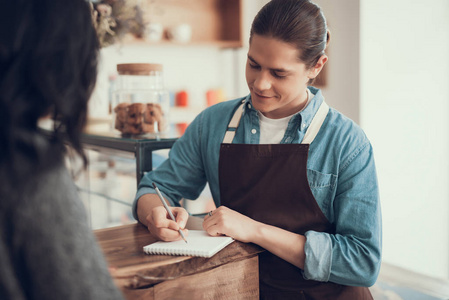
(318, 251)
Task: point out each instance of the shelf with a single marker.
(215, 23)
(130, 40)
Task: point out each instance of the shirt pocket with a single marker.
(323, 187)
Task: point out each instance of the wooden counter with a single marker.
(232, 273)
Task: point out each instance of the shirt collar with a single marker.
(306, 115)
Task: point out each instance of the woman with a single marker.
(285, 171)
(48, 60)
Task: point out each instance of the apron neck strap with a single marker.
(316, 123)
(232, 126)
(310, 135)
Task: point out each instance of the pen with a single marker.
(168, 210)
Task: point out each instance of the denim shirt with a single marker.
(340, 170)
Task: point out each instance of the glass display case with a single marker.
(116, 164)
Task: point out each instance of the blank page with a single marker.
(199, 243)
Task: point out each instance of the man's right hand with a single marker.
(152, 214)
(163, 227)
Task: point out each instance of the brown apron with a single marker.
(268, 183)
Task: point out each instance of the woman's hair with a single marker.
(48, 67)
(297, 22)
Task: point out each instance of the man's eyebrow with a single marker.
(275, 70)
(252, 59)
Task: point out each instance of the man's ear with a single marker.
(314, 71)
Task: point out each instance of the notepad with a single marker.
(199, 243)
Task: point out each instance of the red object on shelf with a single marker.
(215, 96)
(211, 97)
(182, 98)
(182, 127)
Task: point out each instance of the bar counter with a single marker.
(232, 273)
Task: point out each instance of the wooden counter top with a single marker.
(232, 270)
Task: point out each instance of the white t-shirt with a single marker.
(272, 130)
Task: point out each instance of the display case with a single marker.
(108, 185)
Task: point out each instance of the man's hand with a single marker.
(152, 214)
(163, 227)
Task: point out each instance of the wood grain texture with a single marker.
(239, 280)
(137, 273)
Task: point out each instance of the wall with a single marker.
(404, 107)
(342, 88)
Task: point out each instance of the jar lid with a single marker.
(138, 69)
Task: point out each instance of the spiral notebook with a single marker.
(199, 243)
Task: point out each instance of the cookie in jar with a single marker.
(139, 118)
(141, 102)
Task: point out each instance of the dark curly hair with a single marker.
(48, 67)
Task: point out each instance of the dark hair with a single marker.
(48, 66)
(297, 22)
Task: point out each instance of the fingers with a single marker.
(216, 214)
(225, 221)
(165, 229)
(168, 235)
(207, 222)
(214, 230)
(161, 219)
(213, 223)
(181, 216)
(212, 212)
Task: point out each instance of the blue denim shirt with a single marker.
(340, 170)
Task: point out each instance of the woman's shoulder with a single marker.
(49, 188)
(46, 195)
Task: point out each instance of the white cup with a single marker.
(154, 32)
(181, 33)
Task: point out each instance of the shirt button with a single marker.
(303, 125)
(249, 105)
(253, 131)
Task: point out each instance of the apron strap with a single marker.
(316, 123)
(232, 126)
(310, 135)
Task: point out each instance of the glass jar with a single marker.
(141, 103)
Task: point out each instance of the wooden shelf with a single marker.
(214, 22)
(130, 40)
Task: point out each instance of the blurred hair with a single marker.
(48, 67)
(297, 22)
